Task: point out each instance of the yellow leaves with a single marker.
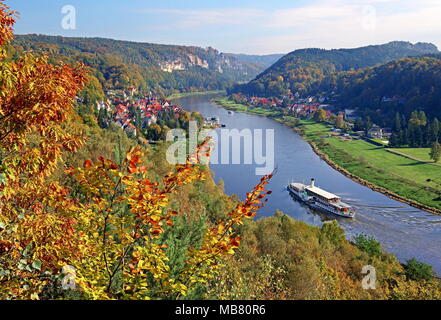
(110, 227)
(7, 20)
(37, 214)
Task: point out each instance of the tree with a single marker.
(368, 244)
(103, 118)
(107, 226)
(368, 124)
(416, 270)
(359, 125)
(394, 140)
(397, 122)
(154, 132)
(434, 130)
(92, 92)
(122, 220)
(320, 115)
(435, 152)
(340, 122)
(36, 104)
(422, 118)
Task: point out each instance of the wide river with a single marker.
(402, 230)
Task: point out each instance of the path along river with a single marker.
(402, 230)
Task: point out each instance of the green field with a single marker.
(401, 175)
(418, 153)
(231, 105)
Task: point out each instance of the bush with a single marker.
(416, 270)
(332, 232)
(368, 244)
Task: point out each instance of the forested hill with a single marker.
(400, 86)
(298, 70)
(263, 61)
(122, 64)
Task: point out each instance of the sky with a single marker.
(237, 26)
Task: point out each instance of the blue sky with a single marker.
(240, 26)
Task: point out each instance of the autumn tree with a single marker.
(320, 115)
(340, 122)
(36, 231)
(103, 232)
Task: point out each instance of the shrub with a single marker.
(368, 244)
(416, 270)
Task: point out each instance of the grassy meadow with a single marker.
(417, 153)
(401, 175)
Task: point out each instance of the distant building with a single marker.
(387, 132)
(350, 114)
(375, 132)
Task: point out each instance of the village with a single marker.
(316, 108)
(134, 111)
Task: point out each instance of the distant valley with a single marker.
(163, 68)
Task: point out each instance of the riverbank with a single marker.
(395, 176)
(195, 93)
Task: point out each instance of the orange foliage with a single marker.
(109, 228)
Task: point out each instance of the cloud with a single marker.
(190, 19)
(322, 23)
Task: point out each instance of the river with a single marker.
(402, 230)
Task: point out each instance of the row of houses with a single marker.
(122, 107)
(308, 106)
(293, 102)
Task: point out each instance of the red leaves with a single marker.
(103, 164)
(132, 170)
(252, 203)
(235, 242)
(7, 20)
(87, 164)
(133, 159)
(143, 169)
(155, 232)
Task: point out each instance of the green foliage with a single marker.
(92, 92)
(187, 232)
(265, 61)
(408, 86)
(435, 151)
(124, 64)
(333, 233)
(301, 69)
(416, 270)
(368, 244)
(281, 258)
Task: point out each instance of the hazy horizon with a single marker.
(235, 53)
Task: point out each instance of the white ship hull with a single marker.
(314, 198)
(321, 207)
